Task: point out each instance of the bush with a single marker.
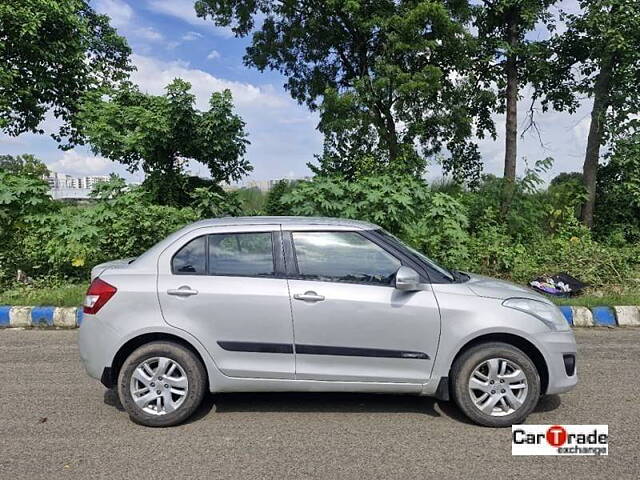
(441, 231)
(389, 201)
(121, 224)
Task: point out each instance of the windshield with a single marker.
(422, 257)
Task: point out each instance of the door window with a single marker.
(191, 259)
(343, 257)
(241, 254)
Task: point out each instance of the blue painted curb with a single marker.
(42, 316)
(79, 316)
(568, 313)
(604, 316)
(5, 321)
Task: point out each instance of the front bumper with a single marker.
(557, 348)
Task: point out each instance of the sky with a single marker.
(168, 41)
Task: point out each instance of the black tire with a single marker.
(193, 369)
(475, 356)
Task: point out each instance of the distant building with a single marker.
(65, 186)
(262, 185)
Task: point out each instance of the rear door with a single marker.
(226, 286)
(351, 324)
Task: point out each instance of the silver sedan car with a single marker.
(262, 304)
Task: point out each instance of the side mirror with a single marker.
(407, 279)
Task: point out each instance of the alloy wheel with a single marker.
(159, 385)
(498, 387)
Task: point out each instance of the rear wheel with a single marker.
(495, 384)
(161, 384)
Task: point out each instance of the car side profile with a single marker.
(258, 304)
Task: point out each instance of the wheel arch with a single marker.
(517, 341)
(110, 374)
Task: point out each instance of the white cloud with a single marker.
(125, 20)
(150, 34)
(154, 75)
(119, 12)
(213, 55)
(185, 11)
(74, 162)
(190, 36)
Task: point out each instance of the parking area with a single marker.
(55, 422)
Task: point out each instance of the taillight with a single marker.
(98, 294)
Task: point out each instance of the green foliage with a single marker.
(160, 134)
(20, 197)
(274, 205)
(252, 200)
(566, 177)
(51, 53)
(603, 35)
(441, 232)
(45, 292)
(390, 79)
(390, 202)
(26, 164)
(618, 200)
(212, 203)
(122, 223)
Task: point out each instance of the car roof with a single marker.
(289, 220)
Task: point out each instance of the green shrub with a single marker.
(121, 224)
(441, 231)
(389, 201)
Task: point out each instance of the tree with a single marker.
(161, 134)
(597, 56)
(26, 164)
(566, 177)
(51, 53)
(618, 191)
(392, 72)
(502, 27)
(274, 205)
(21, 196)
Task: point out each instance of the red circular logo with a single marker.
(556, 436)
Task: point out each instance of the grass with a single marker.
(595, 301)
(70, 295)
(606, 296)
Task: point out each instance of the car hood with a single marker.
(500, 289)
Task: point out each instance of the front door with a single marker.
(223, 286)
(350, 323)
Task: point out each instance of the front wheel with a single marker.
(161, 384)
(495, 384)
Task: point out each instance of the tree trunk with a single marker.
(511, 133)
(596, 133)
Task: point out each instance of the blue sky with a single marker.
(169, 41)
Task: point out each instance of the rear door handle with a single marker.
(184, 291)
(308, 297)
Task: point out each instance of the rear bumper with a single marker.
(558, 346)
(96, 342)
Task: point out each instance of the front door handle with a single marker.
(183, 291)
(308, 297)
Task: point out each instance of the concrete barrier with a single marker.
(628, 316)
(582, 317)
(40, 317)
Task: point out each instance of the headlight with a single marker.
(549, 314)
